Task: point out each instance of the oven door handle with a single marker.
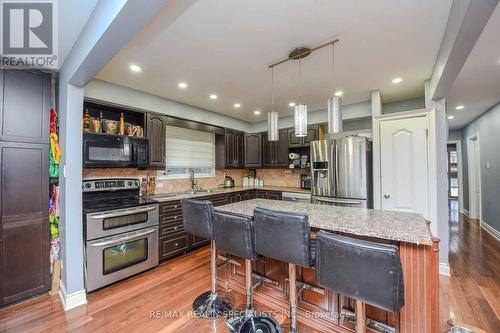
(123, 213)
(120, 240)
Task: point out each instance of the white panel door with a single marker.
(403, 161)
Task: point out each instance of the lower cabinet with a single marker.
(272, 195)
(175, 241)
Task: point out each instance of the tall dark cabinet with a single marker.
(155, 129)
(229, 149)
(275, 153)
(24, 184)
(253, 150)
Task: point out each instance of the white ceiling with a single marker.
(477, 86)
(224, 47)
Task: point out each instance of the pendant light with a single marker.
(272, 117)
(300, 110)
(334, 104)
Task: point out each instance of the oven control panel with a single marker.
(96, 185)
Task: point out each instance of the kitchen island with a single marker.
(323, 310)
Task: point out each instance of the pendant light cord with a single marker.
(272, 89)
(300, 81)
(333, 68)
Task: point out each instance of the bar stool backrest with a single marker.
(283, 236)
(366, 271)
(235, 234)
(198, 217)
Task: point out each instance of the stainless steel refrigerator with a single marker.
(341, 172)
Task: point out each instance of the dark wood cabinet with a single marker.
(24, 185)
(155, 132)
(253, 150)
(275, 153)
(264, 194)
(174, 240)
(312, 135)
(24, 108)
(229, 150)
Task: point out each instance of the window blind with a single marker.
(187, 148)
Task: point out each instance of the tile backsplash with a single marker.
(272, 177)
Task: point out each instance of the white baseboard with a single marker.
(444, 269)
(489, 229)
(73, 300)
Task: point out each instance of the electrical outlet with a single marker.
(487, 164)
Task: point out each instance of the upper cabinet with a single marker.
(155, 132)
(230, 149)
(28, 93)
(253, 150)
(275, 153)
(312, 135)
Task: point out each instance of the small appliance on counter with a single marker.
(305, 181)
(228, 182)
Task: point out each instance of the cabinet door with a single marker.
(267, 151)
(281, 150)
(253, 150)
(25, 236)
(24, 106)
(239, 144)
(230, 148)
(293, 141)
(155, 127)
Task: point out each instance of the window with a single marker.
(189, 149)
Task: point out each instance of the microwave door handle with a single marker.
(120, 240)
(123, 213)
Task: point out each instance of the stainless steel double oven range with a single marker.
(120, 231)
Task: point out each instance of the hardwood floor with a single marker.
(160, 300)
(471, 294)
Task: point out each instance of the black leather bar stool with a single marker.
(198, 220)
(365, 271)
(235, 234)
(285, 237)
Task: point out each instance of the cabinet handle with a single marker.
(176, 244)
(175, 217)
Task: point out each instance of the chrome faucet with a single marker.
(192, 180)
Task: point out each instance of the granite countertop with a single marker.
(396, 226)
(178, 196)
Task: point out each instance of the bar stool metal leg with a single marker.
(360, 317)
(249, 323)
(292, 278)
(208, 304)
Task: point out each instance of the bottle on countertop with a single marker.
(122, 125)
(101, 119)
(143, 191)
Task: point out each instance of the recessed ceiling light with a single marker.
(291, 104)
(451, 117)
(213, 96)
(237, 105)
(460, 107)
(339, 93)
(397, 80)
(256, 112)
(135, 68)
(182, 85)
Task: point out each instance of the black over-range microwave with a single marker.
(114, 151)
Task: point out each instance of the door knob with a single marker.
(387, 196)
